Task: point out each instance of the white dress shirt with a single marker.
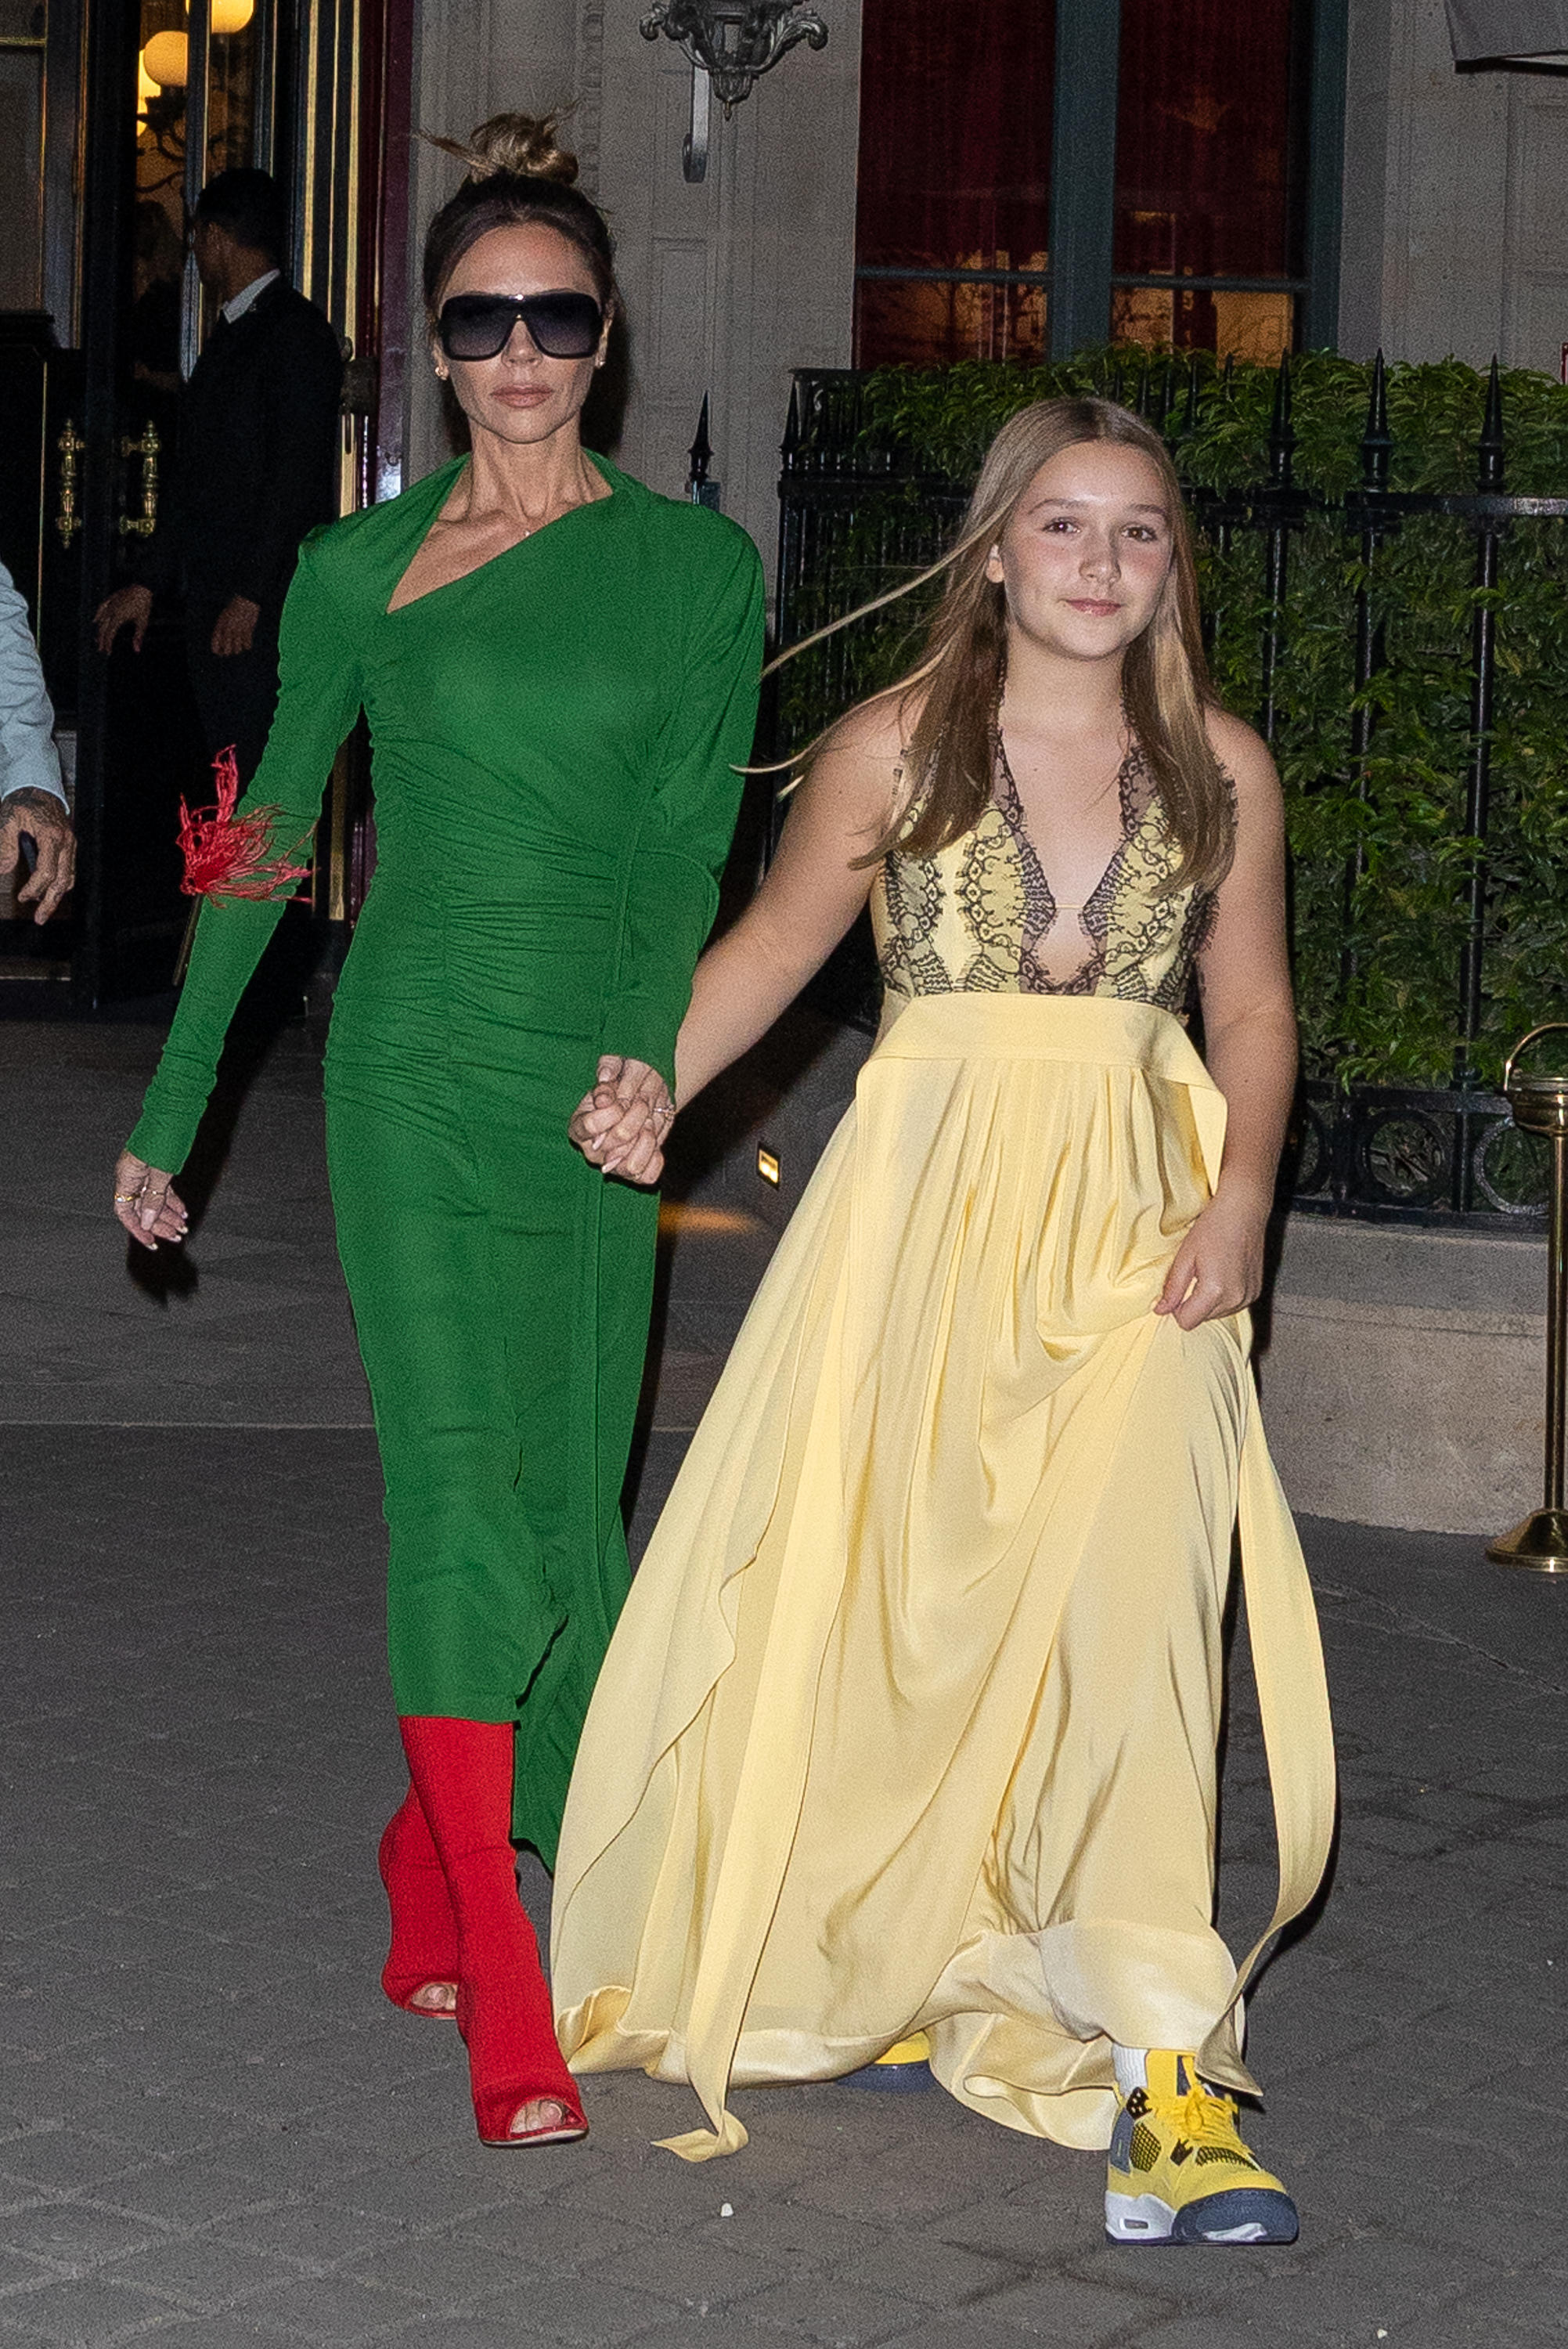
(237, 307)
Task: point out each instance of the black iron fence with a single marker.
(861, 511)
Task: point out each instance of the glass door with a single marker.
(203, 101)
(114, 114)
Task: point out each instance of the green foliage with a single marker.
(1380, 857)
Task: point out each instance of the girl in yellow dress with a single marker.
(910, 1724)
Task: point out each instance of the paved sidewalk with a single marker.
(214, 2131)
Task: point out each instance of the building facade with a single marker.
(931, 185)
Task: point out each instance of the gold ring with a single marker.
(125, 1198)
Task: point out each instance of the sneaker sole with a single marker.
(890, 2079)
(1246, 2214)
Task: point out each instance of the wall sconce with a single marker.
(228, 15)
(731, 43)
(166, 60)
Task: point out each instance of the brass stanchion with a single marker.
(1539, 1105)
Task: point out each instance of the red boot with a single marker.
(462, 1772)
(423, 1961)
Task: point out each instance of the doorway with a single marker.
(122, 109)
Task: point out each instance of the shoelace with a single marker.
(1202, 2119)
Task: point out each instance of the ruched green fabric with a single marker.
(554, 745)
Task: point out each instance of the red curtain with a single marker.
(954, 171)
(1202, 148)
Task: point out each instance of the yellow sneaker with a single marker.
(904, 2069)
(1177, 2171)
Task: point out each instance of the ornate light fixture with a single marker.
(731, 43)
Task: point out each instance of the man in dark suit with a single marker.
(257, 468)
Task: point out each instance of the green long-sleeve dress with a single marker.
(554, 744)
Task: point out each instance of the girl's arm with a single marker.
(1249, 1044)
(813, 894)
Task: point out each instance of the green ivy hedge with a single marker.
(1396, 1021)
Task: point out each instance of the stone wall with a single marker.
(729, 283)
(1453, 199)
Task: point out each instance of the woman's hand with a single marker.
(622, 1126)
(144, 1203)
(1219, 1266)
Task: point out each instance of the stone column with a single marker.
(1452, 239)
(474, 59)
(729, 283)
(734, 282)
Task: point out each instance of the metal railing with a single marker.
(858, 512)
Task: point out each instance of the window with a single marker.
(1208, 177)
(1196, 238)
(954, 180)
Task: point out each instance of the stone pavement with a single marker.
(214, 2130)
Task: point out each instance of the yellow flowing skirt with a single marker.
(910, 1722)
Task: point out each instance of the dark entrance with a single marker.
(128, 107)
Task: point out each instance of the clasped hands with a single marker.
(622, 1126)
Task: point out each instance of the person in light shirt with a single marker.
(32, 805)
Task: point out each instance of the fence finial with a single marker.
(789, 447)
(700, 455)
(1190, 420)
(1282, 433)
(1489, 449)
(1376, 441)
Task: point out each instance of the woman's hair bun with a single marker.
(513, 147)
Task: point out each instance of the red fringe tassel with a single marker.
(230, 855)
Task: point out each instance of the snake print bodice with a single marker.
(976, 917)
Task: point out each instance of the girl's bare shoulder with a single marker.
(1246, 758)
(874, 733)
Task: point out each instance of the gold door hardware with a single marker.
(71, 444)
(147, 449)
(1539, 1105)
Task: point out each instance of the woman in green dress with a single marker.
(559, 671)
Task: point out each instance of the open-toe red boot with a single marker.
(462, 1772)
(423, 1959)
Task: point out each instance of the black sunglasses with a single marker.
(478, 325)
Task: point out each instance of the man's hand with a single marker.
(43, 818)
(235, 626)
(127, 607)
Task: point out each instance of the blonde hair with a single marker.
(948, 754)
(516, 146)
